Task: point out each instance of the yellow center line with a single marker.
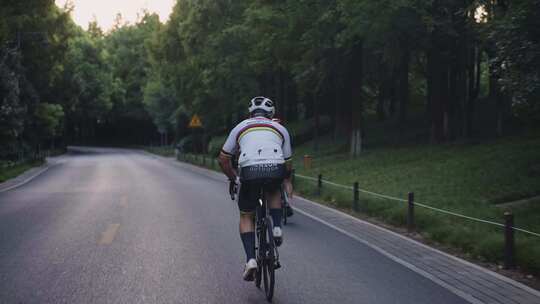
(108, 236)
(124, 201)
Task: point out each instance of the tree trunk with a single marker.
(316, 118)
(496, 96)
(473, 78)
(356, 74)
(438, 94)
(382, 97)
(282, 99)
(404, 84)
(292, 100)
(452, 99)
(337, 116)
(356, 142)
(392, 93)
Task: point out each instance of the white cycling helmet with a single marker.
(263, 106)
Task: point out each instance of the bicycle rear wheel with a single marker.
(268, 270)
(284, 204)
(260, 259)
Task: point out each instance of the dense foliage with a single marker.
(466, 68)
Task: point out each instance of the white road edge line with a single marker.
(47, 167)
(463, 295)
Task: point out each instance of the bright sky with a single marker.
(104, 11)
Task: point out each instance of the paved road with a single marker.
(119, 226)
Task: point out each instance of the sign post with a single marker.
(196, 125)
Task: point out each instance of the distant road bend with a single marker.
(121, 226)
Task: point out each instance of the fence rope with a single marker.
(306, 177)
(338, 185)
(458, 215)
(526, 231)
(384, 196)
(418, 204)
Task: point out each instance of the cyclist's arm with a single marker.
(227, 152)
(226, 165)
(287, 152)
(287, 155)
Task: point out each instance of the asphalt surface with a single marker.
(119, 226)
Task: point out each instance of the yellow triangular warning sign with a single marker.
(195, 122)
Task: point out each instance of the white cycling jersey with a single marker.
(259, 140)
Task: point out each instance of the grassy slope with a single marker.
(467, 179)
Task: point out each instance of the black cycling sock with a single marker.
(248, 239)
(276, 215)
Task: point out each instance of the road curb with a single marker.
(4, 187)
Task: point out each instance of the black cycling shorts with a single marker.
(255, 178)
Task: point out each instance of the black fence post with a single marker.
(509, 243)
(356, 197)
(410, 212)
(319, 184)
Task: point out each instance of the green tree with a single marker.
(48, 120)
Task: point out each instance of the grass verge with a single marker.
(7, 173)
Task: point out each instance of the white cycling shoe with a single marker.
(278, 235)
(250, 269)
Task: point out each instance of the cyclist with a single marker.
(264, 148)
(288, 209)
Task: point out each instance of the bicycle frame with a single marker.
(266, 251)
(262, 220)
